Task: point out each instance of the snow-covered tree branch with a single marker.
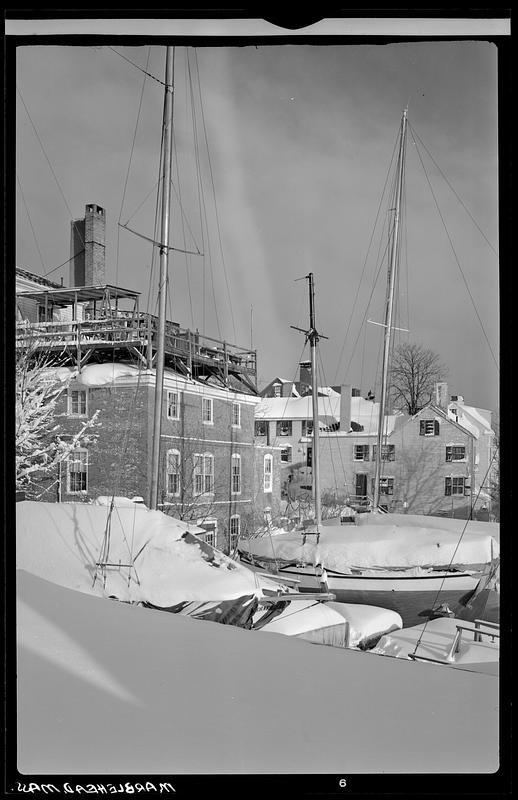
(40, 444)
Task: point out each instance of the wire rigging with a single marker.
(457, 259)
(214, 197)
(466, 209)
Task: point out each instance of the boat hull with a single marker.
(414, 598)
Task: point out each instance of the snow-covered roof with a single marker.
(476, 420)
(119, 371)
(364, 412)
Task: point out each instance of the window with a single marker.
(388, 452)
(77, 402)
(307, 427)
(236, 474)
(173, 472)
(234, 531)
(268, 473)
(284, 427)
(286, 454)
(173, 405)
(455, 452)
(209, 525)
(428, 427)
(77, 471)
(386, 485)
(455, 485)
(276, 389)
(261, 428)
(203, 473)
(206, 410)
(236, 415)
(361, 452)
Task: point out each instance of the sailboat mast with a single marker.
(391, 284)
(315, 460)
(167, 138)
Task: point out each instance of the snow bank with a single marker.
(111, 689)
(435, 639)
(363, 623)
(367, 622)
(435, 523)
(378, 544)
(152, 561)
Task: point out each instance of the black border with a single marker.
(498, 784)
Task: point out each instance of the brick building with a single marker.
(212, 471)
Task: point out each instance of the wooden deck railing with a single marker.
(139, 330)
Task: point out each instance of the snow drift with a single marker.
(109, 688)
(380, 541)
(150, 556)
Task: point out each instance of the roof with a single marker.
(31, 276)
(67, 296)
(364, 412)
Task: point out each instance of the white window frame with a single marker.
(207, 404)
(284, 422)
(268, 473)
(386, 482)
(236, 407)
(277, 389)
(173, 473)
(451, 448)
(261, 422)
(70, 402)
(210, 537)
(307, 427)
(73, 458)
(364, 452)
(203, 474)
(173, 399)
(288, 449)
(388, 452)
(234, 529)
(457, 478)
(235, 485)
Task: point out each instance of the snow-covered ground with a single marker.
(110, 688)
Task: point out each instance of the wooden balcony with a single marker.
(112, 332)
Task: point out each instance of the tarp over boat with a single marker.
(148, 556)
(383, 543)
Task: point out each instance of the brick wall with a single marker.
(120, 459)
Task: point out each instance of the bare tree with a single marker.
(40, 448)
(413, 375)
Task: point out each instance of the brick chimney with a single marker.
(345, 408)
(304, 377)
(87, 248)
(441, 395)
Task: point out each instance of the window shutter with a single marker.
(447, 487)
(422, 427)
(436, 427)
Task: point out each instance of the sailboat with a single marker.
(383, 559)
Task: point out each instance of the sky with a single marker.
(281, 156)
